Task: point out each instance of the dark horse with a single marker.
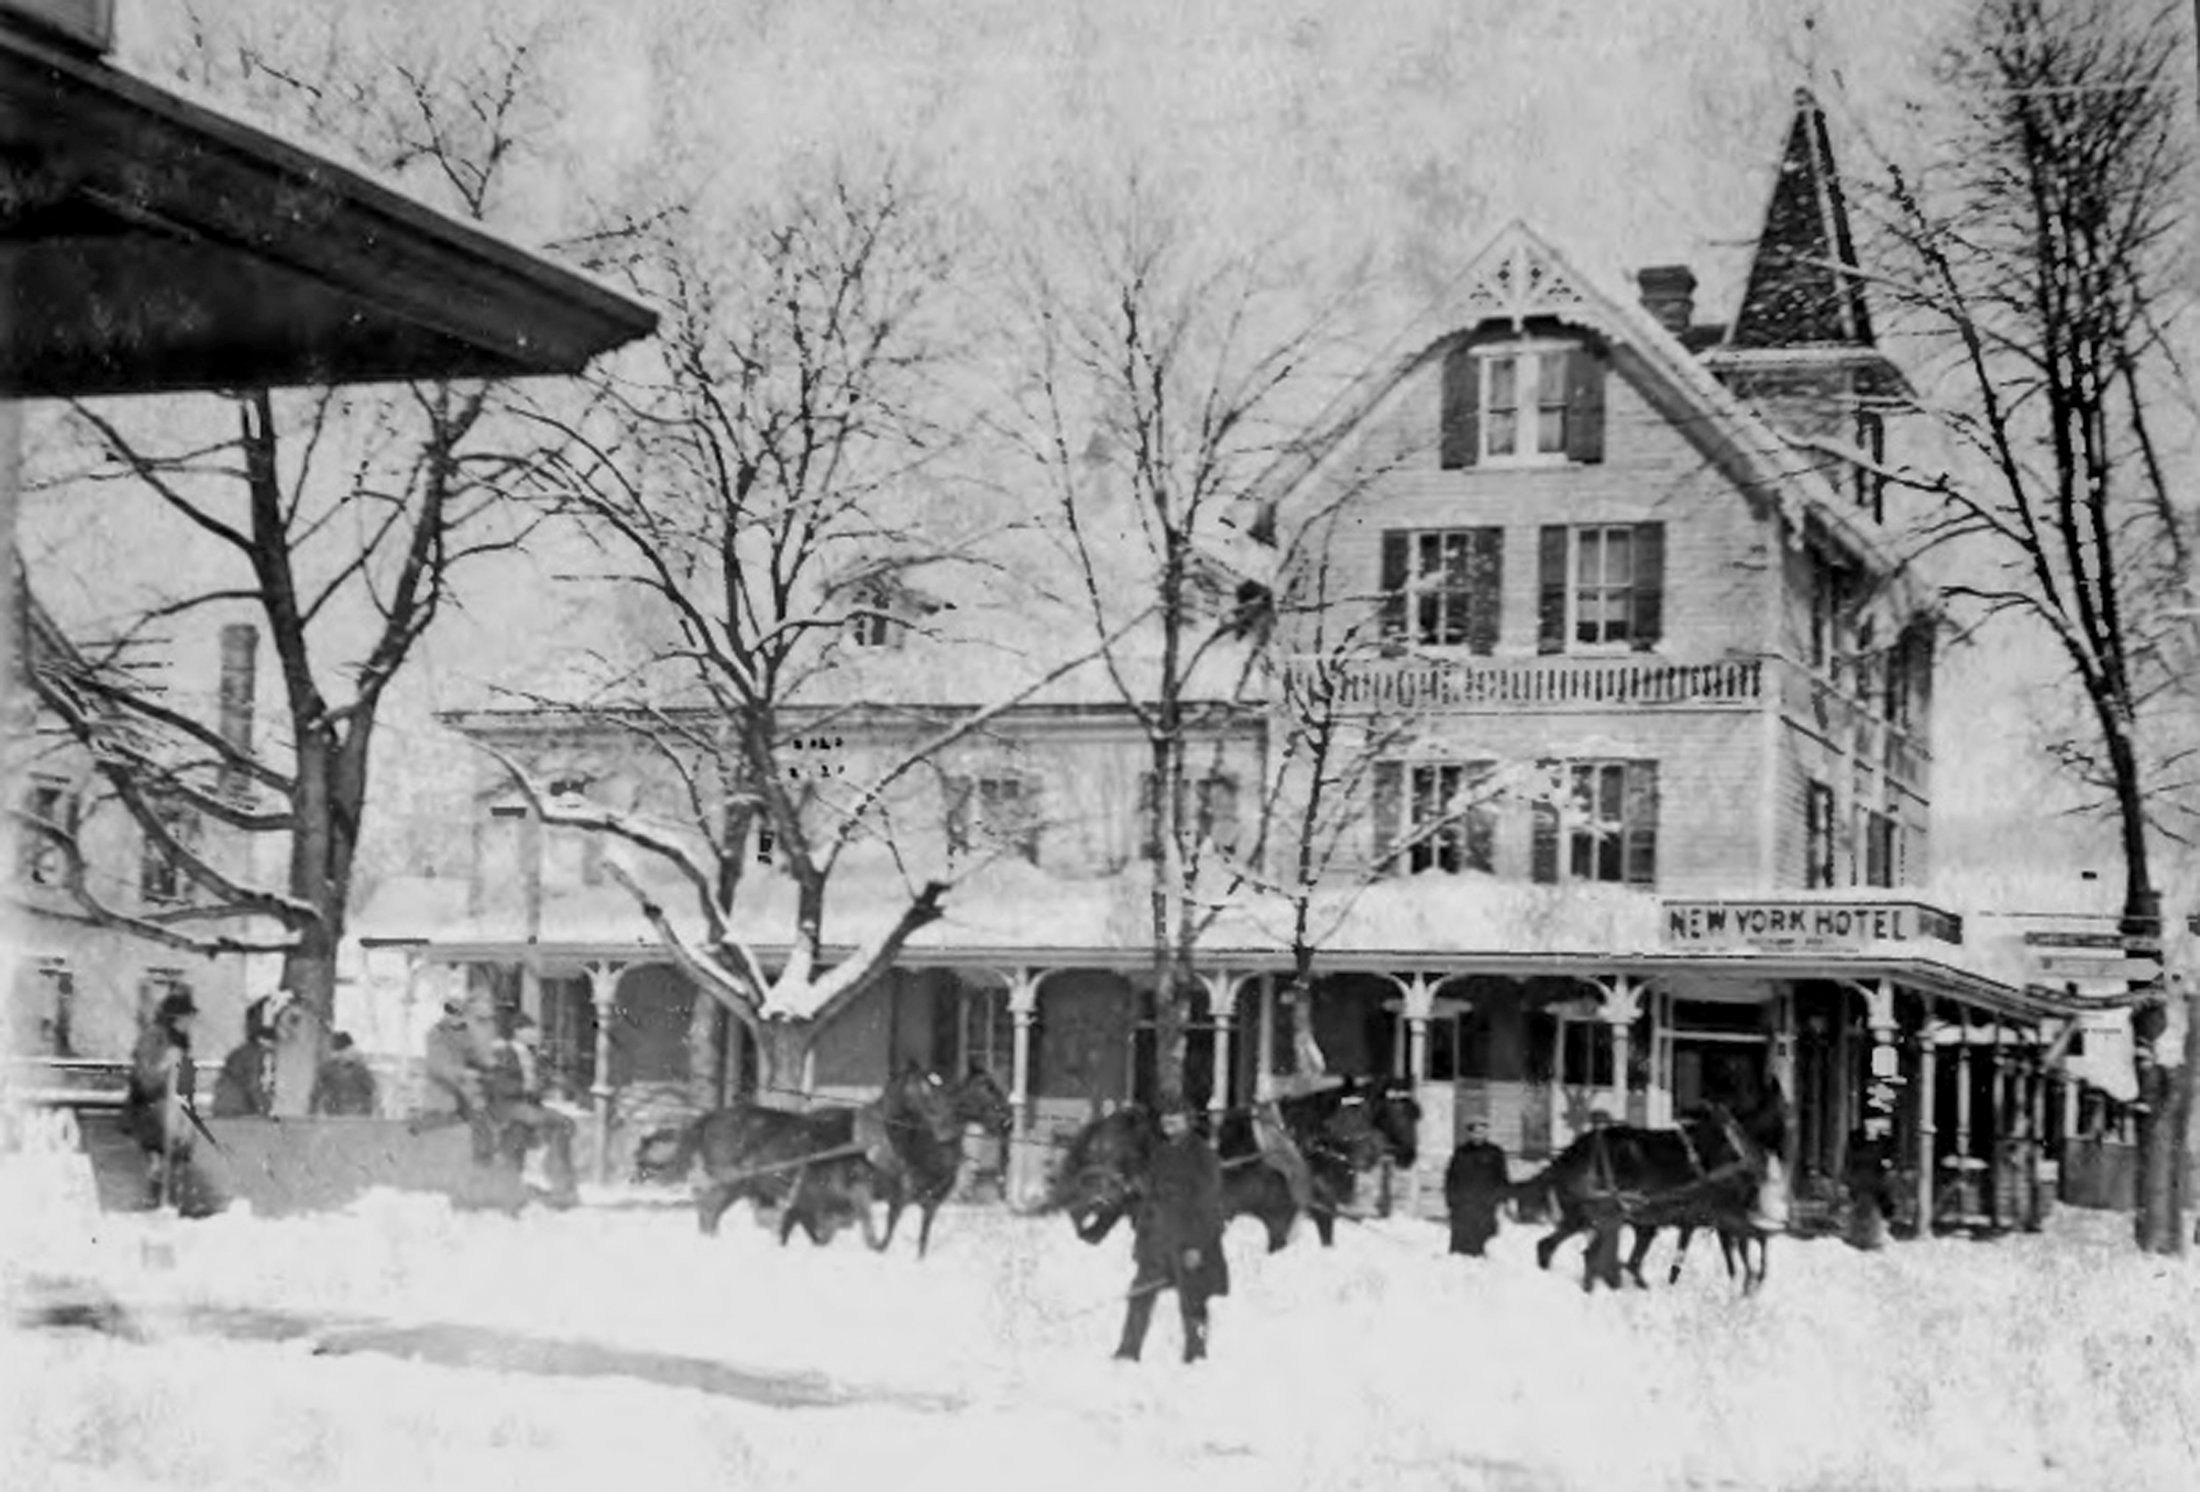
(825, 1168)
(1341, 1132)
(1708, 1173)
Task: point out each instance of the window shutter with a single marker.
(959, 792)
(1149, 818)
(1486, 594)
(1481, 820)
(1649, 618)
(1396, 555)
(1921, 680)
(1584, 405)
(1543, 853)
(1219, 810)
(1389, 786)
(1460, 441)
(1550, 630)
(1640, 818)
(1026, 817)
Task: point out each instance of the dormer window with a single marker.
(1522, 403)
(874, 621)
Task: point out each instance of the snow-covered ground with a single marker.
(2057, 1361)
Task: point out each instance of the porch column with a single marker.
(2000, 1155)
(1023, 1009)
(1967, 1201)
(1621, 1004)
(603, 985)
(1886, 1065)
(1928, 1076)
(1222, 1010)
(1264, 1077)
(1419, 1004)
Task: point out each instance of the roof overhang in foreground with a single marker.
(151, 244)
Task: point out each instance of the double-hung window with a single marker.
(1818, 836)
(1610, 831)
(1443, 588)
(39, 860)
(1214, 807)
(996, 811)
(1534, 402)
(1435, 816)
(1602, 586)
(162, 879)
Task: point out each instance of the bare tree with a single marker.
(762, 478)
(1158, 386)
(2034, 256)
(339, 520)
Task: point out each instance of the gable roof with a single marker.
(1519, 275)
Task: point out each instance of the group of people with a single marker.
(496, 1088)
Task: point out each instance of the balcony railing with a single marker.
(1534, 683)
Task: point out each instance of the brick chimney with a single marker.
(1669, 293)
(240, 644)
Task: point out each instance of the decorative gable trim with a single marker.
(1517, 277)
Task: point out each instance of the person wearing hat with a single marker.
(455, 1057)
(1178, 1223)
(1474, 1188)
(247, 1082)
(156, 1105)
(344, 1086)
(512, 1090)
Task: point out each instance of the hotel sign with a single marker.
(1748, 924)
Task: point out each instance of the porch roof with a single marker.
(1011, 914)
(150, 242)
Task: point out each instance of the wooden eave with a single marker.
(151, 244)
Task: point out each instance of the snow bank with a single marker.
(2054, 1361)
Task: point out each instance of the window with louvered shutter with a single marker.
(1443, 588)
(1460, 435)
(1551, 558)
(1584, 434)
(1389, 787)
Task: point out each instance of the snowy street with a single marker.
(403, 1345)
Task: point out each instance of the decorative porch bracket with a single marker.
(1883, 1092)
(1619, 1007)
(1222, 1010)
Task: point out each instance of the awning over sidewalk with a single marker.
(149, 243)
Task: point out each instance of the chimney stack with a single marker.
(1669, 293)
(240, 644)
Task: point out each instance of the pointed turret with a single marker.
(1801, 347)
(1799, 294)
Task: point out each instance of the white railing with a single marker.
(1532, 683)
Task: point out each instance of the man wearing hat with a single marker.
(455, 1056)
(512, 1088)
(156, 1104)
(1179, 1222)
(1474, 1188)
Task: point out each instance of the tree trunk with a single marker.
(782, 1061)
(705, 1019)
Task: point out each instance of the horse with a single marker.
(1341, 1131)
(931, 1161)
(1706, 1173)
(821, 1169)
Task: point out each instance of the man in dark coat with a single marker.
(156, 1106)
(1179, 1222)
(345, 1084)
(246, 1087)
(1474, 1186)
(512, 1087)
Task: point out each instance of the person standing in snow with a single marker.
(1178, 1223)
(156, 1106)
(512, 1090)
(1474, 1187)
(246, 1087)
(455, 1057)
(345, 1084)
